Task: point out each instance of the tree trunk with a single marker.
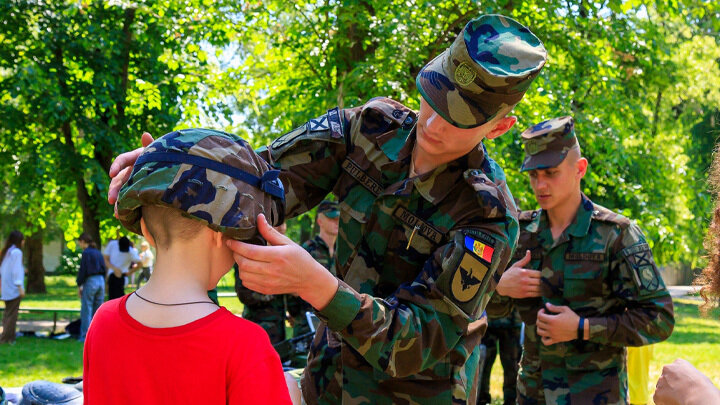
(36, 270)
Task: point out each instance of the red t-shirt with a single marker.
(218, 359)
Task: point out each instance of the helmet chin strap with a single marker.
(431, 119)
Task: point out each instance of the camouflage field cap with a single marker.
(329, 209)
(210, 176)
(489, 66)
(547, 143)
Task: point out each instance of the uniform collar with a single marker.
(321, 241)
(583, 217)
(578, 228)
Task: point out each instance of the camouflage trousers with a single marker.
(551, 375)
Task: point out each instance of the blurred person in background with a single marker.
(12, 277)
(119, 256)
(146, 263)
(90, 282)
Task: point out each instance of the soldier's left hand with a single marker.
(557, 324)
(283, 267)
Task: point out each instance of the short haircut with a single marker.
(167, 225)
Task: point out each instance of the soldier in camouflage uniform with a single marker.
(598, 289)
(426, 219)
(501, 338)
(322, 249)
(265, 310)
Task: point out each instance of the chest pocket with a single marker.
(410, 243)
(584, 275)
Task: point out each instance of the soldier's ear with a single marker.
(581, 166)
(502, 126)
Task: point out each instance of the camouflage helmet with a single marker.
(208, 175)
(547, 143)
(489, 67)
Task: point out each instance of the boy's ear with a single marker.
(146, 234)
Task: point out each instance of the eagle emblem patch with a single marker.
(468, 278)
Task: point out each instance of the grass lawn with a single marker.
(695, 338)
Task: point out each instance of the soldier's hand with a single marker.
(283, 267)
(122, 167)
(519, 282)
(557, 324)
(682, 384)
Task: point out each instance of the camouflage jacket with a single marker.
(603, 269)
(414, 256)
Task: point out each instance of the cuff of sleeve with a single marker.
(598, 330)
(342, 309)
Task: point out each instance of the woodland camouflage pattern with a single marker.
(265, 310)
(488, 68)
(414, 257)
(603, 269)
(222, 202)
(547, 143)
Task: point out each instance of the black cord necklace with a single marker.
(172, 305)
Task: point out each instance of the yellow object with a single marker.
(638, 364)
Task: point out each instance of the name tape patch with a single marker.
(423, 228)
(361, 177)
(584, 257)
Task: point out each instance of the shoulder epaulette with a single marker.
(601, 213)
(391, 111)
(527, 216)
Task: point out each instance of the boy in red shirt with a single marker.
(168, 343)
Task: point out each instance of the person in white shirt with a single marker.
(12, 278)
(119, 256)
(146, 262)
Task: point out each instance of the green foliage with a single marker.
(81, 80)
(638, 77)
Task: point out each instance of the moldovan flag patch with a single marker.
(480, 249)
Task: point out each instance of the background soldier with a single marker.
(502, 337)
(265, 310)
(597, 290)
(322, 249)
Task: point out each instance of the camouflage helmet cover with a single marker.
(489, 67)
(208, 175)
(547, 143)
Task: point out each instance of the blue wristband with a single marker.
(581, 328)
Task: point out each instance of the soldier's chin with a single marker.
(545, 203)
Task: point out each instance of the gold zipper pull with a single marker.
(411, 236)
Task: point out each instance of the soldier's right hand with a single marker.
(122, 167)
(519, 282)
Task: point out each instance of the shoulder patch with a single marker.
(468, 267)
(642, 266)
(601, 213)
(327, 127)
(390, 109)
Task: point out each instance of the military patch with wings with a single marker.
(472, 270)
